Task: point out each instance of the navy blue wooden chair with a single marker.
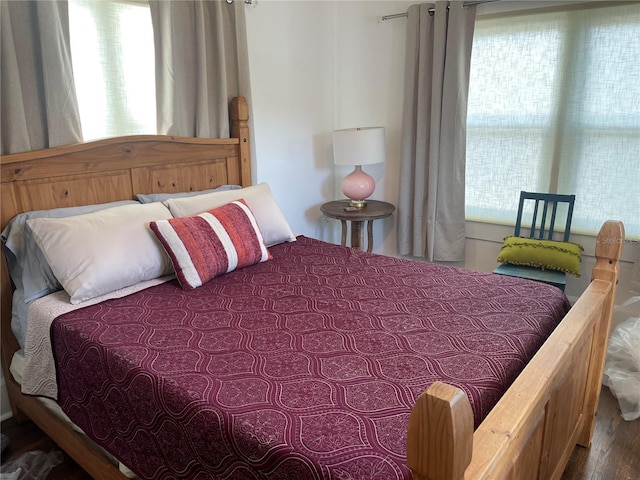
(550, 214)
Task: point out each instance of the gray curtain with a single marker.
(431, 205)
(39, 107)
(201, 63)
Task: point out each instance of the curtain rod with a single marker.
(431, 10)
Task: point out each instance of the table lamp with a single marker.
(358, 146)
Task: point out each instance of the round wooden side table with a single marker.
(373, 210)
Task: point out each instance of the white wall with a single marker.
(317, 66)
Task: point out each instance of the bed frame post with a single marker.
(440, 434)
(608, 250)
(239, 111)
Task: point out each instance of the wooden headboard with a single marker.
(116, 169)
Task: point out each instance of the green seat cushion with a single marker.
(544, 254)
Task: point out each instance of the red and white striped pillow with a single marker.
(212, 243)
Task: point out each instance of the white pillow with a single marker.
(273, 225)
(97, 253)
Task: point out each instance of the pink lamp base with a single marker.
(357, 186)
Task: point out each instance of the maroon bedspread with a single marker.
(302, 367)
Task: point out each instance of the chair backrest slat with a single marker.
(543, 222)
(534, 221)
(552, 223)
(548, 203)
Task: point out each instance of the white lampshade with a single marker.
(359, 146)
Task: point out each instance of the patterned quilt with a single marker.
(302, 367)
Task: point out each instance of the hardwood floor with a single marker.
(615, 448)
(614, 452)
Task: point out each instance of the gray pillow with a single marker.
(161, 197)
(27, 265)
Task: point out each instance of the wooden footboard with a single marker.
(548, 410)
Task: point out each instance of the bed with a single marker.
(447, 431)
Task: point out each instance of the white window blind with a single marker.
(554, 106)
(113, 64)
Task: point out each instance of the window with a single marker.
(554, 106)
(113, 64)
